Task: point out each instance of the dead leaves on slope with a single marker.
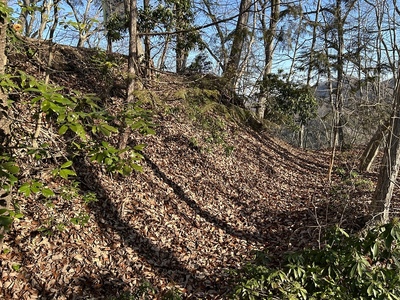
(194, 213)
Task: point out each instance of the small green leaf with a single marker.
(64, 101)
(10, 167)
(66, 164)
(108, 161)
(139, 147)
(25, 189)
(64, 173)
(137, 167)
(374, 250)
(150, 131)
(16, 267)
(370, 290)
(80, 131)
(18, 215)
(107, 129)
(63, 129)
(5, 221)
(47, 192)
(36, 186)
(126, 170)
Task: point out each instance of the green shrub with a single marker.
(362, 266)
(85, 129)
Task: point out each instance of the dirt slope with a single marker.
(199, 208)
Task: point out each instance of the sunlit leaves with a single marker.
(115, 159)
(35, 187)
(82, 124)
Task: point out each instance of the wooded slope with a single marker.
(212, 191)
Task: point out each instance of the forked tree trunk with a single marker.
(380, 206)
(372, 149)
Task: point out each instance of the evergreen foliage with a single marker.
(288, 103)
(84, 125)
(356, 266)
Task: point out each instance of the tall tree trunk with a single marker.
(222, 58)
(132, 64)
(5, 196)
(147, 54)
(82, 30)
(230, 72)
(161, 61)
(44, 17)
(269, 35)
(39, 122)
(133, 56)
(311, 64)
(181, 54)
(339, 75)
(380, 206)
(243, 66)
(182, 21)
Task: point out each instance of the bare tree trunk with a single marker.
(380, 206)
(44, 17)
(82, 30)
(5, 196)
(222, 58)
(339, 75)
(161, 61)
(132, 64)
(39, 123)
(311, 64)
(269, 35)
(183, 19)
(334, 122)
(27, 17)
(372, 149)
(301, 136)
(147, 54)
(244, 63)
(133, 55)
(230, 72)
(181, 54)
(109, 45)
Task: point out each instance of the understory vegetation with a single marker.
(84, 129)
(348, 266)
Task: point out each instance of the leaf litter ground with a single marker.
(195, 212)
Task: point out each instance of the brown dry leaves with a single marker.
(188, 218)
(195, 212)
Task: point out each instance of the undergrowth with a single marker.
(59, 127)
(358, 266)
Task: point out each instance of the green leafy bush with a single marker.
(286, 102)
(362, 266)
(86, 130)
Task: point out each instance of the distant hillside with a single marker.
(212, 191)
(363, 109)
